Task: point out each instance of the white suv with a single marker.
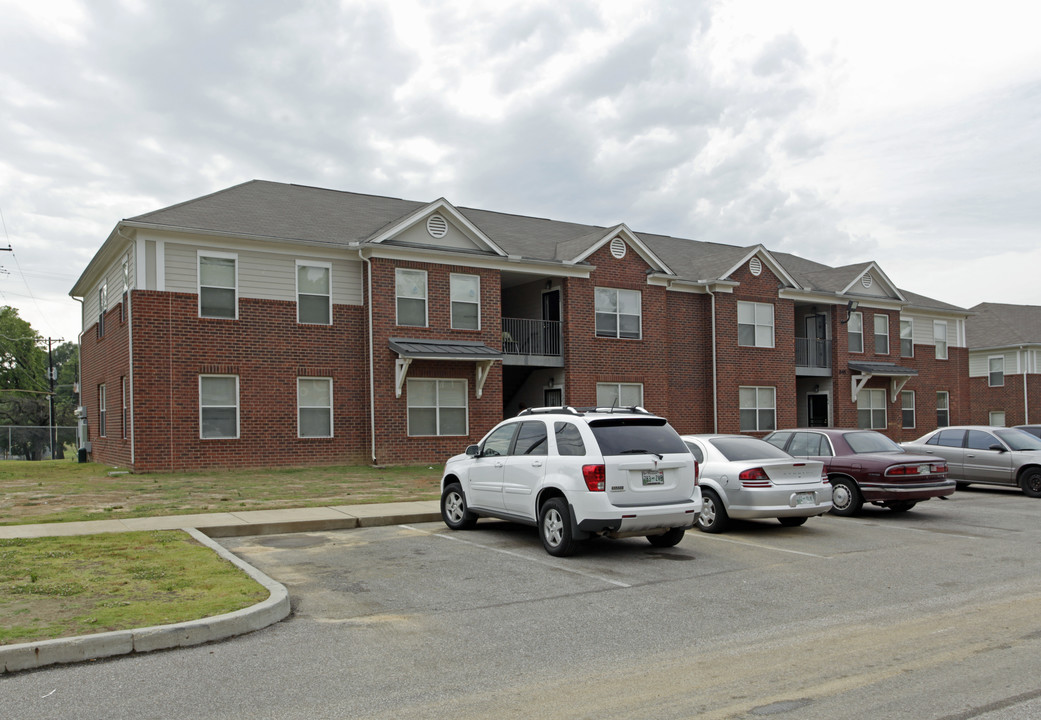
(574, 473)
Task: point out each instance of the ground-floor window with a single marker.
(619, 394)
(997, 417)
(314, 407)
(907, 408)
(218, 406)
(758, 408)
(871, 409)
(943, 410)
(437, 407)
(101, 411)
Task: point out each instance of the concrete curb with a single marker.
(26, 656)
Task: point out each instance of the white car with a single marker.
(744, 477)
(576, 473)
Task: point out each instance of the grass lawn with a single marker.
(62, 587)
(64, 491)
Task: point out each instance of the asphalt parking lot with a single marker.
(928, 614)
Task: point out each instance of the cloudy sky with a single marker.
(903, 132)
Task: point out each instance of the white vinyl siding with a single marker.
(112, 278)
(437, 407)
(855, 331)
(218, 407)
(619, 394)
(755, 324)
(314, 407)
(758, 408)
(871, 409)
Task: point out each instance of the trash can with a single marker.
(82, 456)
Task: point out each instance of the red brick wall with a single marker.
(105, 360)
(1009, 397)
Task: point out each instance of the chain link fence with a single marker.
(33, 442)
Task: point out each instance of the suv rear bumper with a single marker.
(635, 519)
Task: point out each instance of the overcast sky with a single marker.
(906, 132)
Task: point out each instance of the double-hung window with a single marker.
(907, 408)
(126, 289)
(619, 394)
(411, 293)
(997, 417)
(101, 410)
(218, 406)
(102, 308)
(314, 407)
(466, 301)
(123, 416)
(906, 338)
(755, 324)
(618, 313)
(314, 292)
(871, 409)
(218, 285)
(855, 331)
(881, 334)
(943, 409)
(437, 407)
(940, 338)
(758, 408)
(996, 371)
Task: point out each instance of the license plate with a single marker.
(653, 477)
(804, 498)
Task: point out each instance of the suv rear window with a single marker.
(635, 436)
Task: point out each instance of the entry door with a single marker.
(816, 334)
(817, 410)
(551, 320)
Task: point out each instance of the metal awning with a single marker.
(414, 349)
(867, 370)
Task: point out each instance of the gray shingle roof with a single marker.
(1000, 325)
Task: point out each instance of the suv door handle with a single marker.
(536, 463)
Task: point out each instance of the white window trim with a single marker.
(872, 409)
(237, 406)
(904, 408)
(876, 335)
(437, 406)
(946, 339)
(990, 418)
(757, 409)
(451, 301)
(618, 390)
(426, 297)
(849, 333)
(329, 407)
(198, 279)
(756, 325)
(618, 313)
(990, 372)
(910, 321)
(296, 278)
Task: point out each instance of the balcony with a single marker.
(812, 356)
(532, 342)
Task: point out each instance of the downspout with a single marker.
(129, 390)
(1025, 364)
(80, 434)
(372, 372)
(715, 388)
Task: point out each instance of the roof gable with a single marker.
(765, 258)
(618, 233)
(439, 225)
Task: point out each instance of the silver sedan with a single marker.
(744, 477)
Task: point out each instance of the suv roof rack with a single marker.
(568, 410)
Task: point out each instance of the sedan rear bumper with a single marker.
(874, 492)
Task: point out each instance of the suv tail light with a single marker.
(595, 477)
(697, 474)
(754, 478)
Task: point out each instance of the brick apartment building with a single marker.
(1005, 364)
(272, 324)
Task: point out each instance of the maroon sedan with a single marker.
(866, 466)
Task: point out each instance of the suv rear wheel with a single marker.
(555, 528)
(669, 538)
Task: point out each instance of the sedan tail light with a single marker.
(824, 476)
(595, 477)
(754, 478)
(940, 467)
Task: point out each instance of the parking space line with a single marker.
(706, 536)
(571, 570)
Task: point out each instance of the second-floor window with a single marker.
(102, 308)
(618, 313)
(218, 286)
(755, 324)
(465, 293)
(314, 293)
(940, 338)
(906, 338)
(411, 291)
(881, 334)
(996, 371)
(855, 331)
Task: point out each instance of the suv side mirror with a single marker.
(997, 447)
(473, 450)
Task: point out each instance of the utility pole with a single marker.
(52, 374)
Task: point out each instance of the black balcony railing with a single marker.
(521, 336)
(812, 352)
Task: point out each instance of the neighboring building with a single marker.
(237, 329)
(1005, 364)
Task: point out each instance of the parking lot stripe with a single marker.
(571, 570)
(765, 547)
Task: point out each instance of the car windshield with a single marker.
(636, 436)
(737, 448)
(1019, 440)
(870, 442)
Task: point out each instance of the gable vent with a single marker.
(437, 226)
(618, 248)
(755, 266)
(867, 281)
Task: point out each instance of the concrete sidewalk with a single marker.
(202, 527)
